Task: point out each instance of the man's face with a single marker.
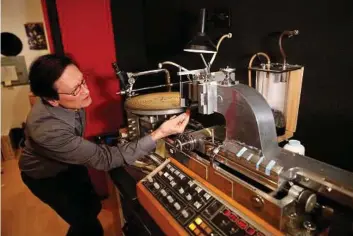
(72, 89)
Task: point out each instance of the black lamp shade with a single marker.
(201, 43)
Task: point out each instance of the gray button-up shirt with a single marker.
(54, 141)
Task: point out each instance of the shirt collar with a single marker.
(67, 115)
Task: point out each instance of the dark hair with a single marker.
(43, 73)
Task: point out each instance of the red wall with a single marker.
(47, 25)
(87, 35)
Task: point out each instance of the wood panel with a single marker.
(221, 182)
(198, 168)
(269, 211)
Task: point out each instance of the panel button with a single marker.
(242, 224)
(197, 231)
(170, 178)
(197, 204)
(233, 217)
(177, 172)
(208, 230)
(198, 189)
(192, 226)
(166, 174)
(149, 178)
(181, 190)
(160, 173)
(227, 212)
(198, 221)
(207, 196)
(203, 225)
(250, 231)
(173, 184)
(191, 183)
(181, 176)
(188, 197)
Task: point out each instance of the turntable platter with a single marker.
(163, 103)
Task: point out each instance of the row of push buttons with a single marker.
(200, 228)
(242, 224)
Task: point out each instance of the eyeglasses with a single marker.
(77, 89)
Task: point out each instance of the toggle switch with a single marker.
(163, 192)
(156, 185)
(177, 206)
(170, 199)
(185, 213)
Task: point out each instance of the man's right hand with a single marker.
(172, 126)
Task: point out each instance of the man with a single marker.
(55, 157)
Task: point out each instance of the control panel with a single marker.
(198, 210)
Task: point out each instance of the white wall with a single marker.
(14, 100)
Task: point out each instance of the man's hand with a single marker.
(174, 125)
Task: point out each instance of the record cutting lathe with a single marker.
(226, 174)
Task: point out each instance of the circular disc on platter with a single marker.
(163, 103)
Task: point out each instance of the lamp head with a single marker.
(201, 43)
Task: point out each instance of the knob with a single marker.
(257, 202)
(163, 192)
(170, 199)
(177, 206)
(309, 226)
(188, 197)
(156, 185)
(181, 190)
(308, 199)
(185, 213)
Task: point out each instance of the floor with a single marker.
(22, 214)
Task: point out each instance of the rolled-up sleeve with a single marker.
(63, 145)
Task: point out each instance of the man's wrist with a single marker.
(156, 135)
